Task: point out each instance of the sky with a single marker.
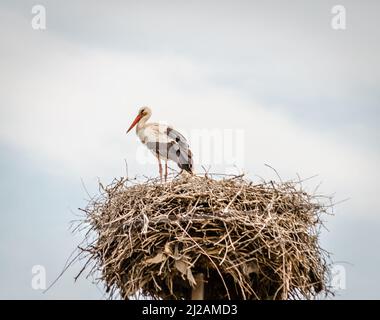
(248, 83)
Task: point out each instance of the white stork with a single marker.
(164, 142)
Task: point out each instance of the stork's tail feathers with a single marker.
(186, 162)
(187, 167)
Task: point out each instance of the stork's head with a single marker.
(145, 111)
(144, 114)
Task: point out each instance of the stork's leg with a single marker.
(159, 167)
(166, 170)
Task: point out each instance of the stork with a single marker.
(163, 141)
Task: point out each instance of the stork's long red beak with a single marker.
(138, 118)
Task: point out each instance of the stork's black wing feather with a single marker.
(176, 150)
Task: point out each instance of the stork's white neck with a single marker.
(142, 122)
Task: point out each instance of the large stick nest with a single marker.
(251, 241)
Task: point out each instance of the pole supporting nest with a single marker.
(197, 292)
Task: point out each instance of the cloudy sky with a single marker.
(271, 81)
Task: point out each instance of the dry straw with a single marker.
(251, 241)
